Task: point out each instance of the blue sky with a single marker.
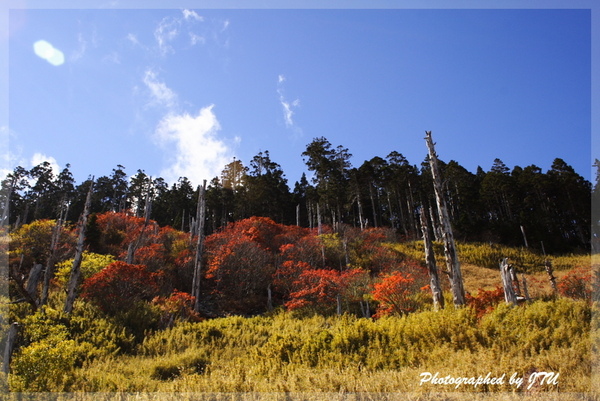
(180, 92)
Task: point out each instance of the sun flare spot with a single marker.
(48, 52)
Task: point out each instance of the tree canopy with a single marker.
(522, 206)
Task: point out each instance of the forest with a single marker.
(513, 207)
(182, 285)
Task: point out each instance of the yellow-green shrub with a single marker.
(91, 264)
(44, 365)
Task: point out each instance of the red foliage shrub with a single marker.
(394, 294)
(485, 300)
(577, 284)
(240, 272)
(117, 230)
(178, 305)
(313, 287)
(119, 284)
(320, 288)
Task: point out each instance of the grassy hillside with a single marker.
(286, 352)
(320, 356)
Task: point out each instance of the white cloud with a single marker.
(161, 94)
(198, 154)
(190, 14)
(39, 158)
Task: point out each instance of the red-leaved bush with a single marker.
(485, 300)
(577, 284)
(394, 294)
(119, 285)
(178, 305)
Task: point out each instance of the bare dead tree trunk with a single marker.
(437, 231)
(269, 299)
(76, 269)
(360, 213)
(411, 207)
(26, 296)
(8, 349)
(452, 263)
(319, 226)
(550, 272)
(515, 280)
(524, 236)
(200, 214)
(525, 289)
(509, 291)
(49, 273)
(319, 232)
(436, 289)
(4, 217)
(33, 279)
(134, 245)
(373, 205)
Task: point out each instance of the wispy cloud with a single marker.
(288, 107)
(112, 58)
(172, 27)
(82, 47)
(190, 14)
(87, 38)
(195, 149)
(133, 39)
(160, 93)
(195, 39)
(166, 31)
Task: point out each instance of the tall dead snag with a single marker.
(436, 290)
(452, 263)
(506, 271)
(200, 214)
(34, 277)
(10, 344)
(134, 245)
(549, 270)
(51, 261)
(76, 269)
(16, 276)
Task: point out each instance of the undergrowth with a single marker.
(286, 352)
(490, 256)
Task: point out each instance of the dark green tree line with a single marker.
(522, 206)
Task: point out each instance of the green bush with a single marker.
(44, 365)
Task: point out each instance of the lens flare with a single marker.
(48, 52)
